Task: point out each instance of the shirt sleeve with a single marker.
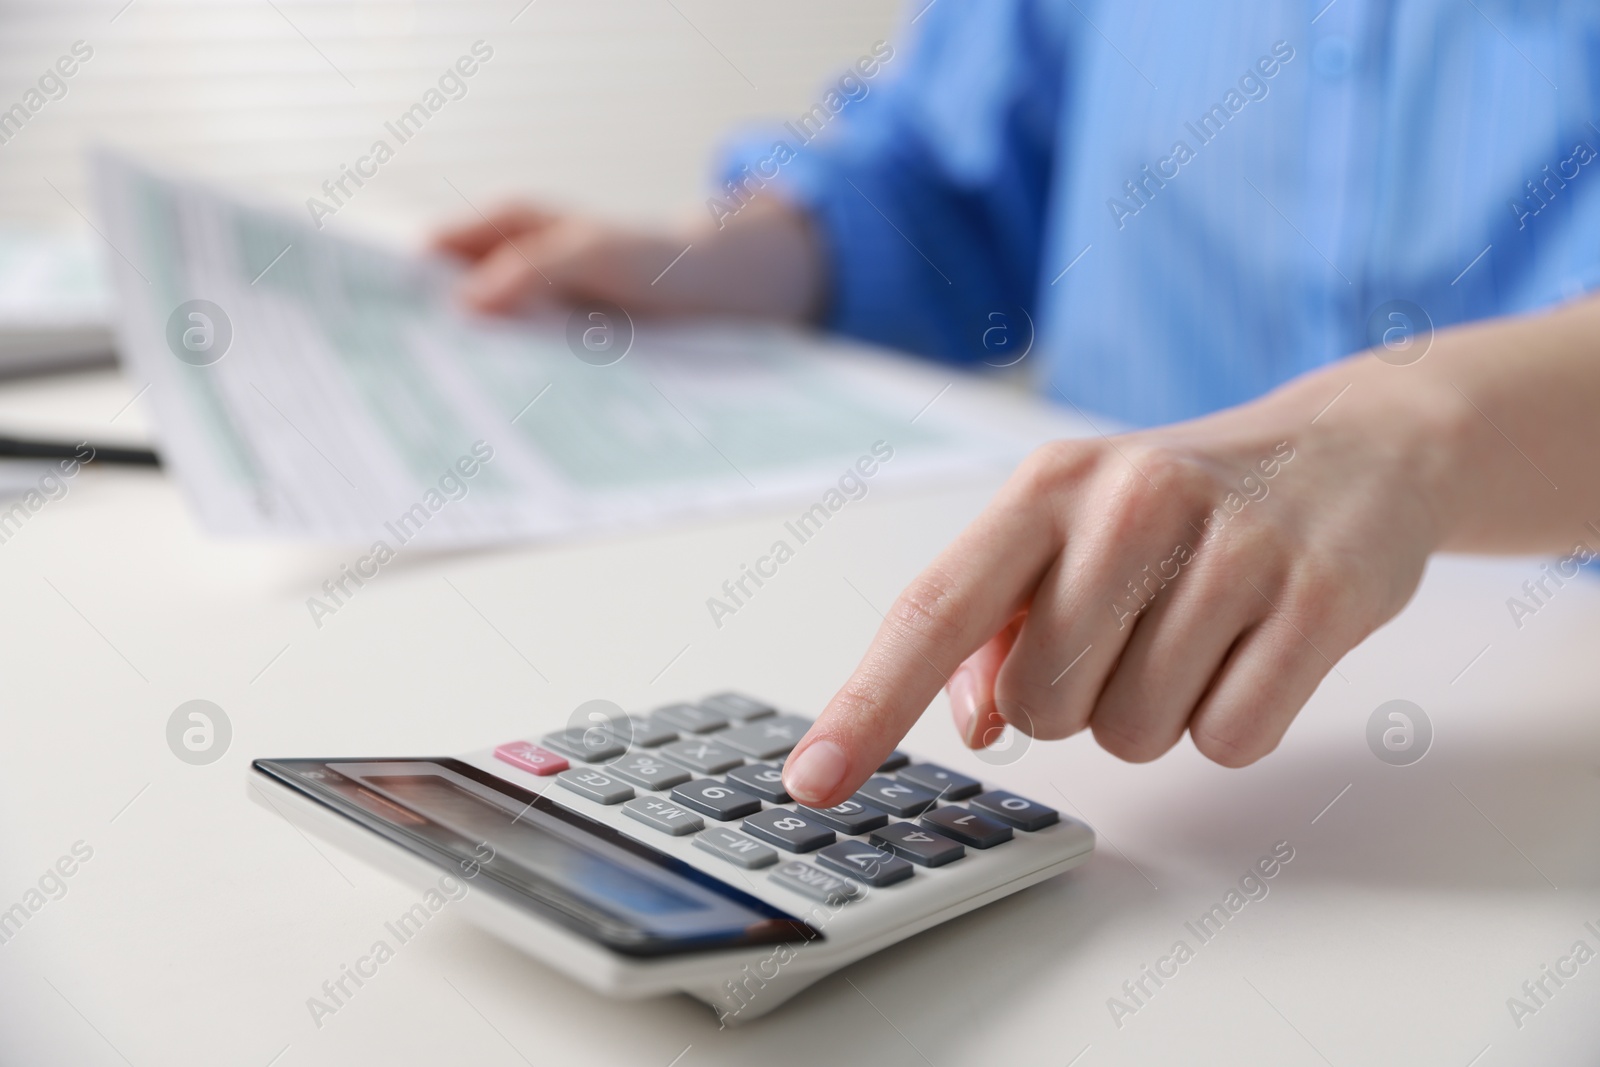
(927, 179)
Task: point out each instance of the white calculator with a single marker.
(660, 853)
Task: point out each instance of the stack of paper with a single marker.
(54, 301)
(309, 386)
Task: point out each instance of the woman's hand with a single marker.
(1202, 577)
(763, 263)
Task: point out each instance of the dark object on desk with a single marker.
(19, 448)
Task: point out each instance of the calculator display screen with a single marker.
(493, 836)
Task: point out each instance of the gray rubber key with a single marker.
(875, 867)
(736, 848)
(851, 817)
(691, 718)
(598, 786)
(716, 799)
(738, 706)
(814, 882)
(765, 780)
(917, 844)
(644, 732)
(789, 830)
(895, 760)
(588, 743)
(904, 799)
(1020, 812)
(706, 757)
(968, 826)
(945, 784)
(664, 815)
(648, 771)
(766, 738)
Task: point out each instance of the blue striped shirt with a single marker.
(1184, 204)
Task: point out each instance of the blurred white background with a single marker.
(614, 105)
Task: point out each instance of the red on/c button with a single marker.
(531, 758)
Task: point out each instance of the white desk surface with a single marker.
(1413, 908)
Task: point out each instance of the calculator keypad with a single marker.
(814, 882)
(664, 815)
(765, 780)
(851, 817)
(789, 830)
(766, 738)
(738, 706)
(873, 866)
(967, 826)
(648, 771)
(899, 820)
(531, 758)
(590, 744)
(711, 797)
(1017, 811)
(598, 786)
(690, 718)
(917, 844)
(643, 732)
(897, 798)
(944, 784)
(735, 847)
(706, 757)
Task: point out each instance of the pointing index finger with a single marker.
(964, 598)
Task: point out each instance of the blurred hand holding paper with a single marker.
(309, 386)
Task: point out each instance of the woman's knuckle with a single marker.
(925, 610)
(1054, 466)
(1163, 467)
(1129, 505)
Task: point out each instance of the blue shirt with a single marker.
(1192, 202)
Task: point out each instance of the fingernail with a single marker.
(816, 772)
(963, 690)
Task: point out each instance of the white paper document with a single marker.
(55, 300)
(309, 386)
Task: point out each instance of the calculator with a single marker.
(659, 853)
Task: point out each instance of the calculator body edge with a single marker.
(741, 982)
